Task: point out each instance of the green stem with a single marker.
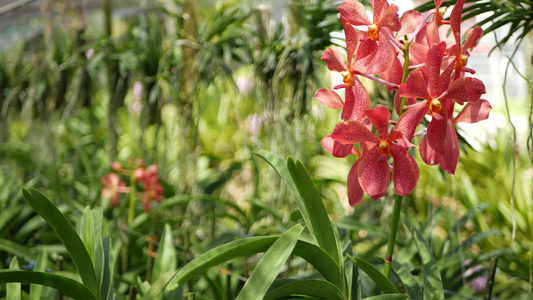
(392, 236)
(405, 72)
(131, 211)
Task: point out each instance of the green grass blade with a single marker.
(72, 241)
(316, 288)
(381, 281)
(22, 251)
(432, 280)
(40, 266)
(323, 228)
(409, 282)
(166, 259)
(87, 231)
(13, 290)
(389, 297)
(158, 286)
(69, 287)
(270, 265)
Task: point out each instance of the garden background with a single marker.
(196, 88)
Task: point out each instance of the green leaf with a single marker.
(69, 287)
(158, 286)
(40, 266)
(166, 259)
(270, 265)
(381, 281)
(432, 280)
(324, 230)
(389, 297)
(316, 288)
(409, 282)
(313, 254)
(12, 247)
(72, 241)
(13, 290)
(87, 231)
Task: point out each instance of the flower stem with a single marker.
(392, 235)
(131, 211)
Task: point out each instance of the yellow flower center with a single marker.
(435, 106)
(373, 32)
(384, 148)
(461, 62)
(347, 77)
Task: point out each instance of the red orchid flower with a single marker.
(372, 170)
(376, 53)
(112, 187)
(152, 189)
(443, 148)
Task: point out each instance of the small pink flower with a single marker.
(112, 187)
(152, 189)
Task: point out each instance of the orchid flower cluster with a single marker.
(413, 56)
(147, 177)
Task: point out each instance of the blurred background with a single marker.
(196, 86)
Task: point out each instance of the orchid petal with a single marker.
(474, 112)
(409, 22)
(374, 173)
(445, 77)
(398, 102)
(329, 98)
(355, 192)
(405, 171)
(380, 117)
(390, 19)
(336, 148)
(428, 154)
(354, 12)
(466, 89)
(451, 153)
(352, 39)
(417, 53)
(455, 20)
(436, 134)
(351, 132)
(472, 36)
(357, 101)
(410, 119)
(334, 59)
(393, 74)
(383, 57)
(433, 63)
(415, 86)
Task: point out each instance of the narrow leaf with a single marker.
(409, 282)
(166, 259)
(62, 227)
(69, 287)
(13, 290)
(40, 266)
(432, 280)
(381, 281)
(320, 289)
(324, 229)
(389, 297)
(270, 265)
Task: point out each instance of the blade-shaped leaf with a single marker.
(13, 290)
(325, 231)
(69, 287)
(320, 289)
(381, 281)
(409, 282)
(270, 265)
(432, 280)
(166, 259)
(40, 266)
(87, 231)
(62, 227)
(389, 297)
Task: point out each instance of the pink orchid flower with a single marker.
(440, 145)
(372, 170)
(152, 189)
(113, 186)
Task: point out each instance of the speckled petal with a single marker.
(380, 117)
(354, 12)
(466, 89)
(334, 59)
(329, 98)
(374, 173)
(351, 132)
(415, 86)
(474, 112)
(355, 192)
(450, 157)
(404, 170)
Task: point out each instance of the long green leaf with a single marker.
(381, 281)
(23, 251)
(316, 288)
(166, 259)
(432, 280)
(87, 231)
(69, 287)
(389, 297)
(324, 229)
(409, 282)
(270, 265)
(62, 227)
(13, 290)
(313, 254)
(40, 266)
